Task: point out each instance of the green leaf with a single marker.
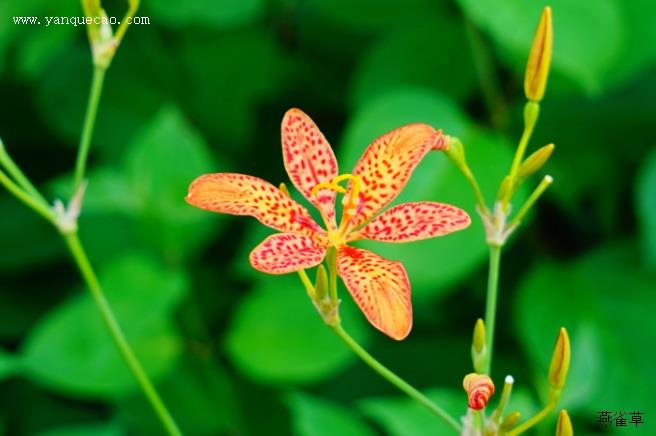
(433, 53)
(433, 264)
(313, 416)
(224, 94)
(512, 25)
(199, 394)
(646, 207)
(227, 13)
(100, 429)
(8, 364)
(605, 300)
(277, 335)
(162, 161)
(376, 15)
(70, 350)
(406, 417)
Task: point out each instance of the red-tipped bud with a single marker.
(479, 388)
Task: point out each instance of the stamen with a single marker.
(327, 185)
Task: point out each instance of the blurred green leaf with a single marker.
(70, 350)
(576, 24)
(100, 429)
(27, 239)
(405, 417)
(605, 301)
(376, 14)
(313, 416)
(200, 396)
(8, 364)
(433, 53)
(162, 161)
(226, 13)
(277, 335)
(221, 94)
(646, 207)
(434, 264)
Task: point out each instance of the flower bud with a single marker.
(505, 189)
(534, 162)
(284, 189)
(564, 426)
(479, 347)
(321, 284)
(456, 151)
(560, 361)
(479, 388)
(539, 58)
(510, 421)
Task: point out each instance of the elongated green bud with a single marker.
(534, 162)
(479, 347)
(564, 426)
(539, 58)
(321, 284)
(510, 421)
(560, 361)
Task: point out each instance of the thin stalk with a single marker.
(534, 420)
(82, 261)
(89, 122)
(491, 301)
(35, 204)
(395, 379)
(14, 171)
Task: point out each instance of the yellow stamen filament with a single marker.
(349, 202)
(327, 185)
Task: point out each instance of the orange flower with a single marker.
(380, 287)
(479, 388)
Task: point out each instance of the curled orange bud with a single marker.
(479, 388)
(539, 59)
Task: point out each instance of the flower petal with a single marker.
(379, 287)
(386, 166)
(309, 159)
(283, 253)
(239, 194)
(415, 221)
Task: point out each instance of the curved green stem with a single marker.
(395, 379)
(82, 261)
(534, 420)
(89, 122)
(36, 204)
(491, 302)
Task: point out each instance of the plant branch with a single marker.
(491, 301)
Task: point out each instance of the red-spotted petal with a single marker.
(415, 221)
(283, 253)
(379, 287)
(309, 159)
(239, 194)
(386, 166)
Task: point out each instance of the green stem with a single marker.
(82, 261)
(36, 204)
(395, 379)
(14, 171)
(534, 420)
(491, 301)
(89, 122)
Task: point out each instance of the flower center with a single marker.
(350, 204)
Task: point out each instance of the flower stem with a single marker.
(534, 420)
(28, 199)
(395, 379)
(89, 122)
(82, 261)
(491, 301)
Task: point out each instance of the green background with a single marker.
(234, 352)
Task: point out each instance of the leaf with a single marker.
(646, 207)
(99, 429)
(512, 24)
(70, 350)
(605, 300)
(405, 417)
(8, 364)
(198, 393)
(277, 336)
(227, 13)
(164, 158)
(433, 264)
(432, 53)
(313, 416)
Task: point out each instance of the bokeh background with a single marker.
(234, 352)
